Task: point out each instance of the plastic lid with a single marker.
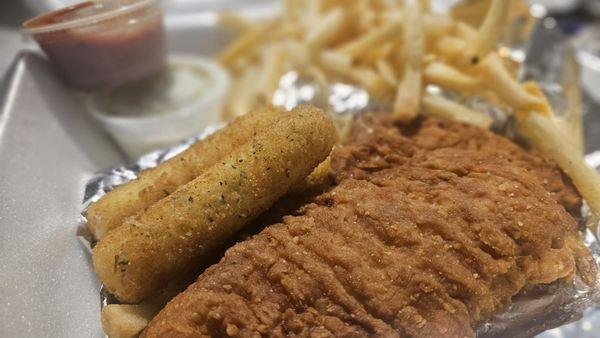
(83, 14)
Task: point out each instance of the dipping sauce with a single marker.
(179, 87)
(164, 109)
(103, 44)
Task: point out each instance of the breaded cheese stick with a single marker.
(156, 183)
(174, 234)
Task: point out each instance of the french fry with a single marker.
(314, 7)
(274, 59)
(448, 77)
(371, 56)
(371, 39)
(337, 62)
(245, 93)
(496, 77)
(326, 29)
(408, 94)
(288, 30)
(489, 32)
(125, 320)
(539, 125)
(425, 5)
(471, 12)
(321, 79)
(439, 106)
(387, 72)
(548, 138)
(297, 54)
(450, 47)
(244, 43)
(370, 80)
(437, 26)
(465, 31)
(236, 22)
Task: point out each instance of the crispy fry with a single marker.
(124, 320)
(321, 79)
(237, 23)
(489, 32)
(370, 80)
(128, 320)
(274, 59)
(174, 234)
(448, 77)
(408, 94)
(425, 5)
(246, 93)
(325, 30)
(557, 145)
(471, 12)
(297, 54)
(156, 183)
(449, 47)
(540, 126)
(439, 106)
(387, 72)
(244, 43)
(371, 39)
(336, 62)
(371, 56)
(496, 77)
(465, 31)
(437, 26)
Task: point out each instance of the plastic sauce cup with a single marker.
(102, 44)
(161, 111)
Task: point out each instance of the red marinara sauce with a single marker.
(103, 44)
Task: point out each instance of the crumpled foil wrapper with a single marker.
(546, 307)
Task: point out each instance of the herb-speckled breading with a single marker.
(139, 257)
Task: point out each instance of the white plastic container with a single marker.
(102, 44)
(163, 111)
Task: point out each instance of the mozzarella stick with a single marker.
(176, 233)
(156, 183)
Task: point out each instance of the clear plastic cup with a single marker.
(103, 43)
(162, 111)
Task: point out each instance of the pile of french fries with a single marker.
(397, 50)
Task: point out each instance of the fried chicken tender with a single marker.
(427, 234)
(156, 183)
(175, 233)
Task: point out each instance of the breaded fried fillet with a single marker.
(427, 234)
(139, 257)
(376, 143)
